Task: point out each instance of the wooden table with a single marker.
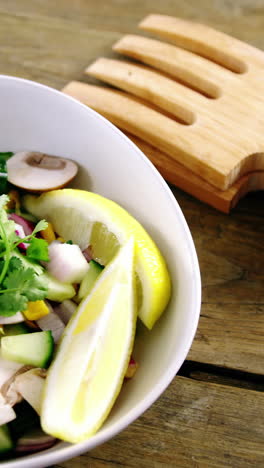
(212, 413)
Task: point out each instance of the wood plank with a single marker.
(50, 51)
(231, 256)
(244, 20)
(230, 335)
(194, 424)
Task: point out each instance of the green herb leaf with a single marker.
(15, 264)
(11, 303)
(19, 283)
(18, 279)
(37, 288)
(41, 226)
(6, 155)
(38, 250)
(27, 283)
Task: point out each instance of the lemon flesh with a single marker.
(87, 219)
(88, 370)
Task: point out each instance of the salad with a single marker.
(53, 276)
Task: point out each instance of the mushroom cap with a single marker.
(35, 171)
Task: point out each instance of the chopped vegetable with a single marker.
(17, 318)
(7, 369)
(6, 443)
(38, 250)
(35, 349)
(15, 329)
(34, 440)
(30, 386)
(131, 368)
(20, 233)
(9, 391)
(56, 290)
(65, 310)
(18, 284)
(27, 226)
(36, 310)
(89, 279)
(53, 323)
(32, 170)
(7, 413)
(48, 234)
(67, 262)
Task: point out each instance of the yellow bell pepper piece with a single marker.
(60, 239)
(36, 310)
(48, 234)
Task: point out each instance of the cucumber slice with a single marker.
(34, 349)
(89, 280)
(6, 443)
(58, 291)
(16, 329)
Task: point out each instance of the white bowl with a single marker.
(35, 117)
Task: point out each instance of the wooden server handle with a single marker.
(111, 104)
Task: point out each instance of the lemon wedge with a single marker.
(91, 361)
(87, 219)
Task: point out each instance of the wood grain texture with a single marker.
(195, 423)
(231, 121)
(137, 121)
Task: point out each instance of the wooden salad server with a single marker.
(198, 104)
(123, 111)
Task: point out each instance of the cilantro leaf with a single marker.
(37, 288)
(7, 226)
(38, 250)
(18, 282)
(11, 303)
(18, 278)
(27, 283)
(15, 264)
(40, 226)
(6, 154)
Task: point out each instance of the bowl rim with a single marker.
(44, 459)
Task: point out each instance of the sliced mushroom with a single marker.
(9, 394)
(30, 385)
(34, 171)
(7, 414)
(9, 389)
(7, 370)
